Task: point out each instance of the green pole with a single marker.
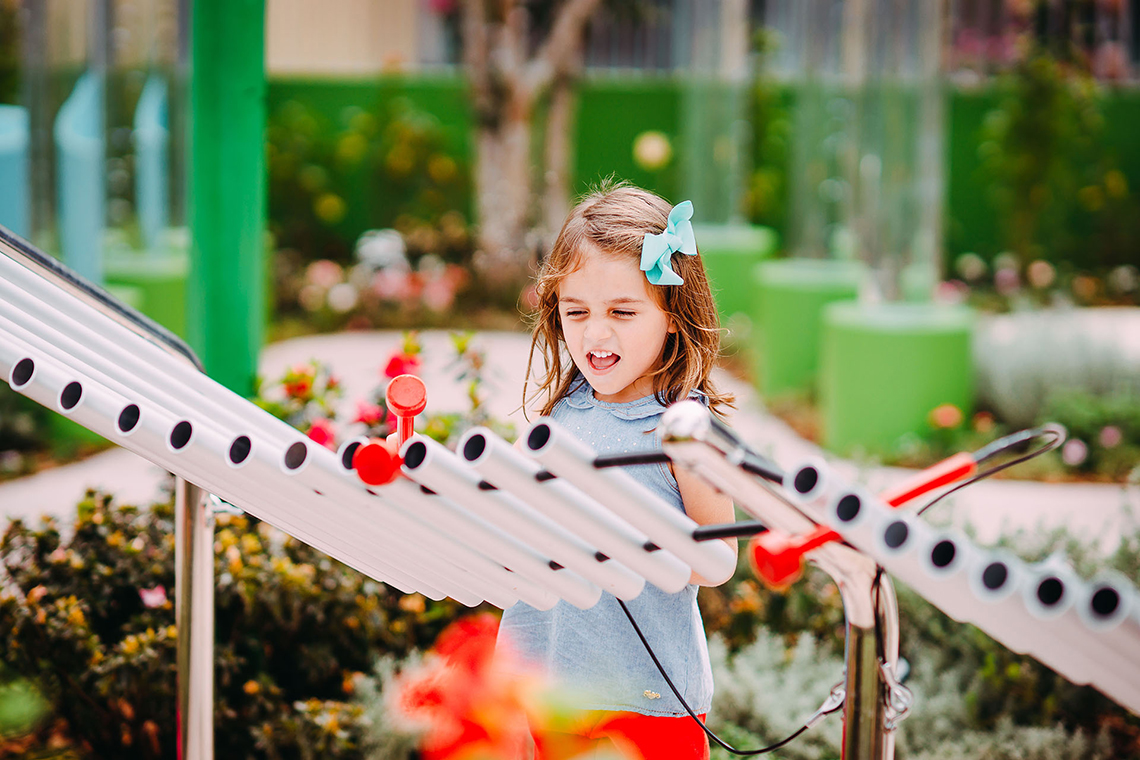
(226, 292)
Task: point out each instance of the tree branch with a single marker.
(557, 54)
(476, 53)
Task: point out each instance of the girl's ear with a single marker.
(672, 325)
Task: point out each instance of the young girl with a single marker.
(625, 295)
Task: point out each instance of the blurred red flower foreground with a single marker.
(472, 703)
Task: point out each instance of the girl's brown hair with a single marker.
(614, 220)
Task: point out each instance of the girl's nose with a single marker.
(596, 330)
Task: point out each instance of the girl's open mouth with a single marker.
(600, 361)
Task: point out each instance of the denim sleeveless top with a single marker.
(595, 654)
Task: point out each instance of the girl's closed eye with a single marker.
(623, 313)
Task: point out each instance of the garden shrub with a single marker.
(86, 618)
(388, 168)
(1058, 193)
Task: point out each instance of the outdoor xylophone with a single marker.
(552, 521)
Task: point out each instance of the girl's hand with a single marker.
(705, 506)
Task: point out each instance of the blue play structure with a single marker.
(151, 136)
(15, 212)
(81, 176)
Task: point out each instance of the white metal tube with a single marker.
(445, 515)
(508, 468)
(396, 501)
(943, 561)
(854, 514)
(324, 471)
(432, 465)
(809, 483)
(1112, 609)
(492, 541)
(668, 527)
(149, 433)
(518, 555)
(189, 405)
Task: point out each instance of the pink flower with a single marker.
(391, 284)
(438, 294)
(324, 273)
(1007, 281)
(322, 433)
(153, 598)
(1074, 452)
(1110, 436)
(402, 364)
(370, 414)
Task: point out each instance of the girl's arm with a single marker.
(705, 506)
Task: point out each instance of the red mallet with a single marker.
(778, 558)
(375, 462)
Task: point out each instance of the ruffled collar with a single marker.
(582, 397)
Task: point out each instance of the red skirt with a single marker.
(634, 736)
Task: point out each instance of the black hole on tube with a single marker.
(485, 486)
(22, 372)
(180, 435)
(649, 546)
(296, 455)
(474, 447)
(427, 491)
(848, 507)
(347, 455)
(542, 476)
(806, 479)
(555, 566)
(72, 392)
(995, 575)
(240, 448)
(538, 437)
(1050, 591)
(1105, 601)
(415, 455)
(943, 553)
(128, 418)
(896, 534)
(600, 557)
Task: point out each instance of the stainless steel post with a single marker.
(194, 617)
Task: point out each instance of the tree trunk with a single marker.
(503, 186)
(559, 154)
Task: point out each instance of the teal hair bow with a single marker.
(657, 250)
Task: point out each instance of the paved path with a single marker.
(991, 508)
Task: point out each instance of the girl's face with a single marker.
(613, 327)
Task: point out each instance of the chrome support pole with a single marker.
(194, 618)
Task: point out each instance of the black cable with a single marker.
(1012, 442)
(625, 460)
(729, 530)
(693, 715)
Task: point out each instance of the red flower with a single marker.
(298, 381)
(946, 416)
(466, 703)
(402, 364)
(322, 433)
(370, 414)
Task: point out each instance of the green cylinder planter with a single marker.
(730, 252)
(791, 295)
(885, 367)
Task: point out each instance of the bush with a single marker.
(86, 618)
(328, 183)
